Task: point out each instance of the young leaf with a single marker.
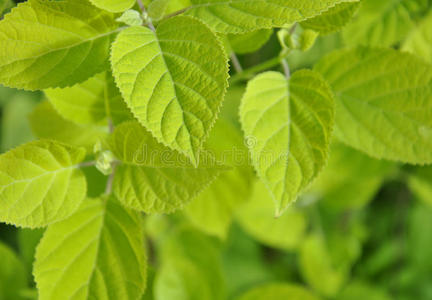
(333, 19)
(46, 123)
(40, 183)
(241, 16)
(90, 102)
(173, 80)
(278, 291)
(114, 6)
(97, 253)
(54, 43)
(256, 217)
(383, 102)
(13, 278)
(379, 23)
(419, 41)
(153, 178)
(288, 124)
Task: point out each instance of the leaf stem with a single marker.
(246, 74)
(87, 164)
(176, 13)
(236, 63)
(146, 16)
(286, 68)
(108, 187)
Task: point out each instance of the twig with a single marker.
(87, 164)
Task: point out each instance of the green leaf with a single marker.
(419, 42)
(5, 5)
(278, 291)
(15, 128)
(114, 6)
(379, 23)
(190, 268)
(131, 17)
(157, 9)
(249, 42)
(173, 80)
(288, 124)
(351, 179)
(332, 20)
(383, 102)
(241, 16)
(153, 178)
(40, 183)
(46, 123)
(91, 102)
(257, 218)
(60, 43)
(13, 277)
(97, 253)
(317, 269)
(420, 184)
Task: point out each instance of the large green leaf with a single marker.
(97, 253)
(278, 291)
(358, 290)
(288, 124)
(248, 42)
(13, 278)
(53, 43)
(90, 102)
(173, 80)
(46, 123)
(228, 16)
(380, 23)
(384, 106)
(333, 19)
(257, 218)
(153, 178)
(40, 183)
(114, 5)
(419, 41)
(5, 5)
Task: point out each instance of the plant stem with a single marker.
(176, 13)
(236, 63)
(87, 164)
(144, 12)
(246, 74)
(286, 68)
(108, 187)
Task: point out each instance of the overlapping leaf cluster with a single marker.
(142, 93)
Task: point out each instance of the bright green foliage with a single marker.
(420, 39)
(153, 178)
(257, 218)
(288, 125)
(317, 269)
(46, 123)
(97, 253)
(131, 17)
(380, 23)
(114, 5)
(241, 16)
(13, 278)
(191, 268)
(40, 183)
(157, 9)
(53, 44)
(90, 102)
(351, 179)
(383, 102)
(361, 291)
(249, 42)
(4, 5)
(333, 19)
(173, 80)
(279, 291)
(420, 183)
